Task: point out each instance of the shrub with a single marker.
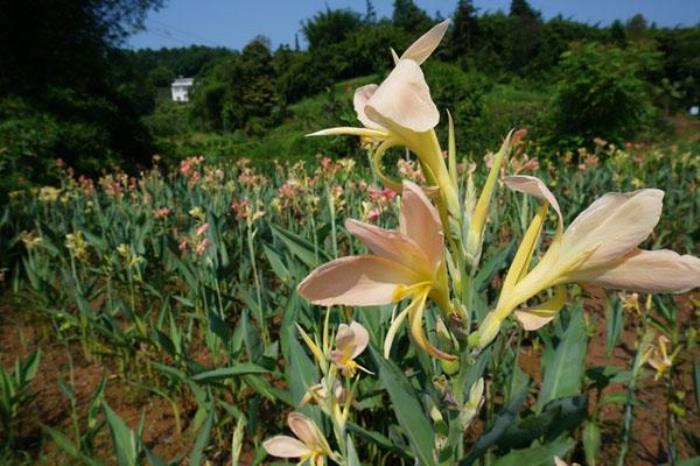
(602, 92)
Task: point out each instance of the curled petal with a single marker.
(426, 44)
(403, 101)
(420, 221)
(536, 188)
(362, 96)
(613, 225)
(538, 316)
(283, 446)
(415, 316)
(390, 244)
(660, 271)
(356, 281)
(361, 338)
(393, 330)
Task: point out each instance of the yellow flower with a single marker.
(309, 444)
(658, 357)
(408, 263)
(599, 247)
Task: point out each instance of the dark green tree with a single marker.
(618, 34)
(370, 13)
(465, 30)
(408, 16)
(524, 32)
(330, 27)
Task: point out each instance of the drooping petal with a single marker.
(393, 330)
(660, 271)
(613, 225)
(420, 221)
(426, 44)
(538, 316)
(356, 281)
(361, 338)
(344, 342)
(403, 101)
(534, 187)
(415, 317)
(391, 245)
(306, 430)
(360, 99)
(283, 446)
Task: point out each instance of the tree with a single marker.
(618, 34)
(524, 34)
(330, 27)
(410, 18)
(465, 29)
(370, 13)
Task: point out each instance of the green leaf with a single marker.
(227, 372)
(591, 442)
(202, 439)
(299, 247)
(277, 264)
(537, 455)
(407, 408)
(614, 320)
(126, 445)
(696, 381)
(504, 420)
(491, 267)
(564, 374)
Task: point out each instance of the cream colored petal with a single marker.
(426, 44)
(344, 337)
(402, 102)
(391, 245)
(306, 430)
(613, 225)
(420, 221)
(283, 446)
(538, 316)
(361, 338)
(536, 188)
(362, 96)
(660, 271)
(356, 281)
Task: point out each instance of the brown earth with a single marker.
(21, 333)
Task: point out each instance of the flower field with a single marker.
(428, 308)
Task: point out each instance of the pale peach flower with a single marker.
(309, 444)
(408, 263)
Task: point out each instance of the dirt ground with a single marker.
(21, 333)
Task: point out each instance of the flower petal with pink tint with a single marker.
(426, 44)
(356, 281)
(420, 221)
(284, 446)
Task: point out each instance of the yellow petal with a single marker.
(393, 330)
(415, 315)
(426, 44)
(351, 131)
(535, 317)
(356, 281)
(535, 187)
(402, 102)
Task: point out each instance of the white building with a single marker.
(180, 89)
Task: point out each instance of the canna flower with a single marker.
(408, 263)
(350, 341)
(659, 358)
(401, 112)
(599, 247)
(309, 444)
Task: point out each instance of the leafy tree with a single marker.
(408, 16)
(525, 32)
(465, 30)
(602, 92)
(370, 13)
(618, 34)
(330, 27)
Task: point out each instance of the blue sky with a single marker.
(233, 23)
